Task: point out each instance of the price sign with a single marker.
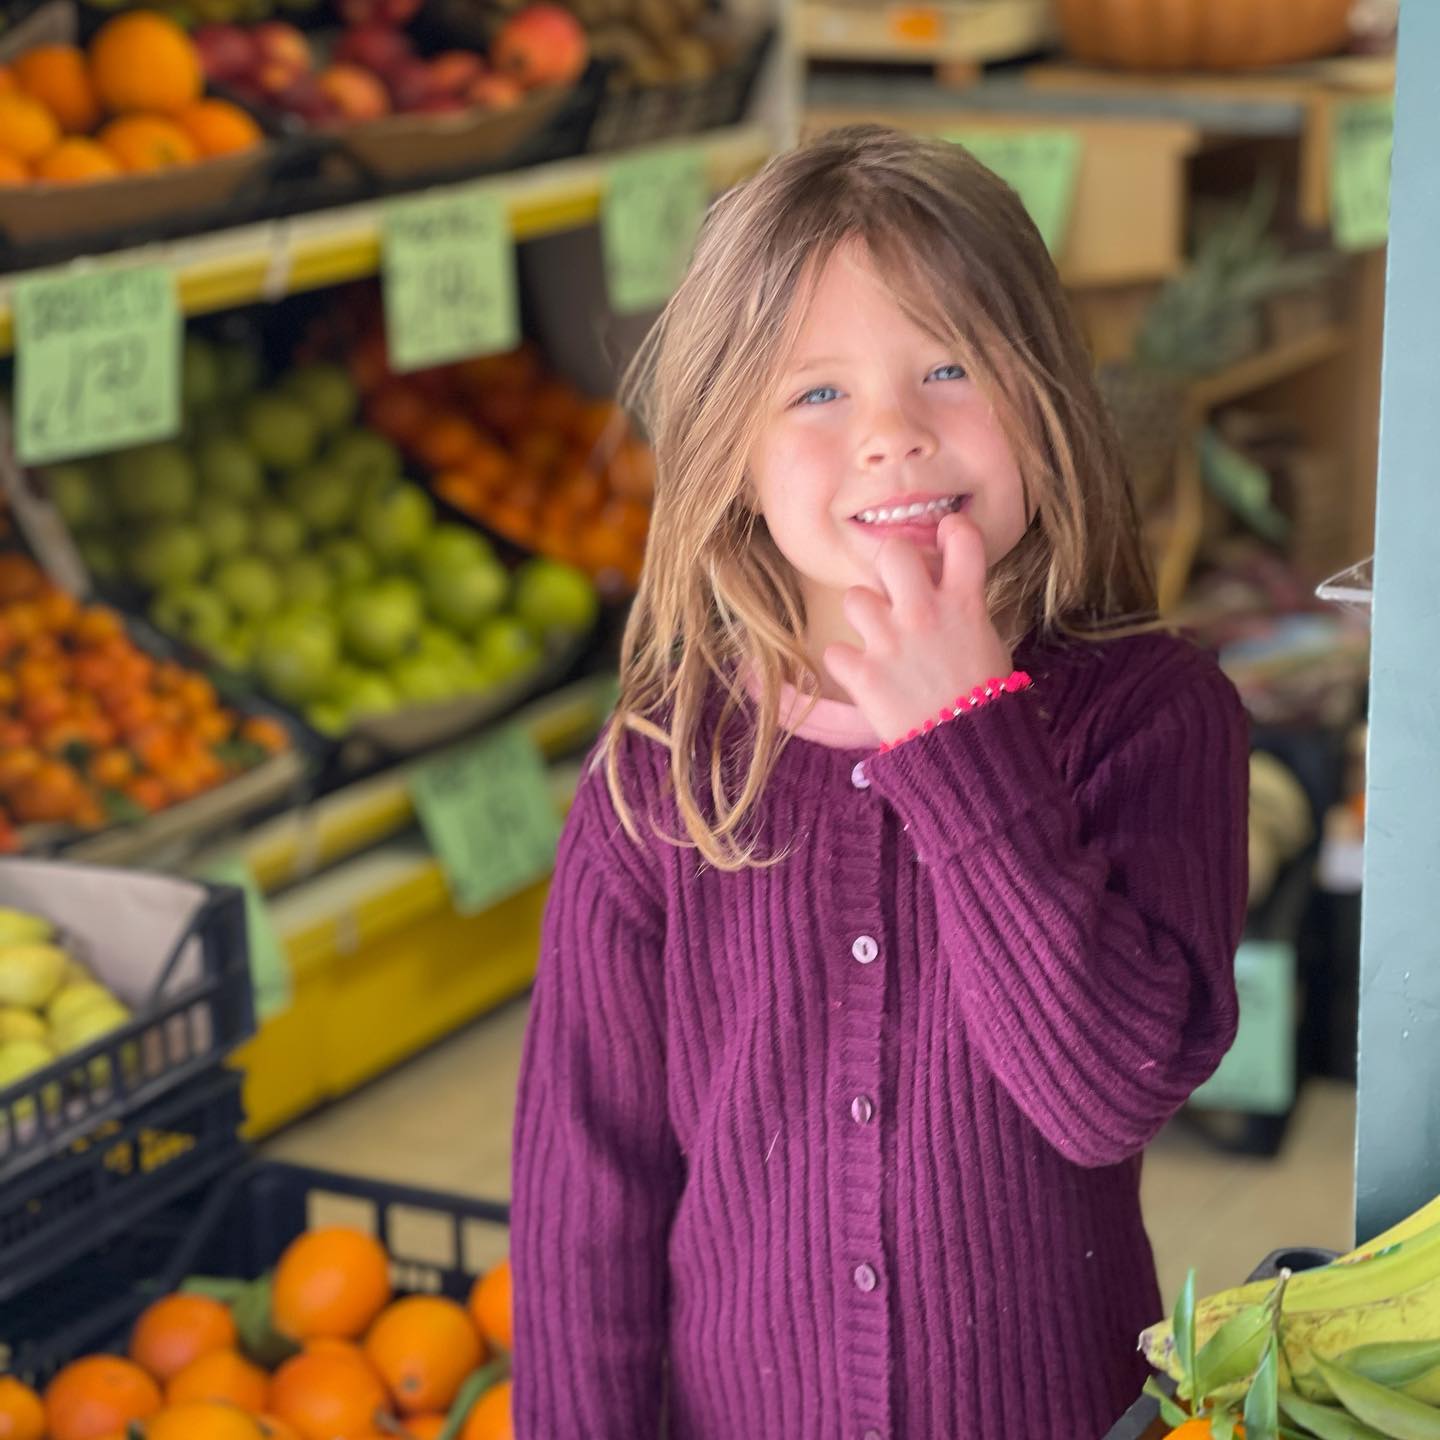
(1360, 172)
(489, 817)
(97, 360)
(1039, 165)
(915, 24)
(269, 964)
(449, 278)
(654, 204)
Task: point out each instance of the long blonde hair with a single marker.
(717, 601)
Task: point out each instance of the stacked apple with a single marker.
(282, 539)
(373, 69)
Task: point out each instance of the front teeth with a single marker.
(894, 514)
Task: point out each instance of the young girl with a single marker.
(900, 913)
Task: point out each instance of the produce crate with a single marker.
(1142, 1420)
(237, 1227)
(174, 951)
(107, 1180)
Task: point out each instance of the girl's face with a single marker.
(874, 431)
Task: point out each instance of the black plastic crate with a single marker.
(198, 1008)
(104, 1183)
(237, 1227)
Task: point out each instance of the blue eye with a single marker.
(947, 372)
(820, 395)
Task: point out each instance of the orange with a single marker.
(330, 1282)
(52, 794)
(13, 170)
(1199, 1429)
(491, 1418)
(27, 128)
(425, 1427)
(7, 80)
(96, 1395)
(271, 735)
(178, 1329)
(202, 1420)
(219, 128)
(96, 624)
(141, 61)
(76, 160)
(142, 143)
(58, 77)
(222, 1375)
(20, 579)
(492, 1306)
(273, 1429)
(445, 440)
(424, 1346)
(148, 792)
(22, 1416)
(323, 1394)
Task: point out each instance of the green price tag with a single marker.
(489, 816)
(1039, 165)
(97, 361)
(269, 964)
(654, 204)
(449, 278)
(1360, 172)
(1258, 1074)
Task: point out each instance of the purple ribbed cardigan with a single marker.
(849, 1148)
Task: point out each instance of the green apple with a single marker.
(250, 586)
(279, 532)
(371, 692)
(349, 561)
(330, 719)
(323, 495)
(225, 525)
(200, 376)
(237, 650)
(326, 392)
(554, 599)
(462, 597)
(79, 495)
(280, 430)
(506, 648)
(154, 482)
(100, 557)
(195, 613)
(296, 655)
(239, 367)
(229, 469)
(168, 552)
(452, 547)
(395, 521)
(423, 680)
(366, 457)
(307, 582)
(381, 622)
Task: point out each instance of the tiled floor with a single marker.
(443, 1120)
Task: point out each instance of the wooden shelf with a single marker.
(944, 32)
(1267, 367)
(226, 268)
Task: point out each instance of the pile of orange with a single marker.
(369, 1366)
(524, 452)
(133, 104)
(93, 729)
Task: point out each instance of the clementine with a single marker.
(75, 160)
(96, 1395)
(202, 1420)
(492, 1306)
(58, 77)
(27, 128)
(325, 1393)
(222, 1376)
(491, 1418)
(177, 1329)
(143, 143)
(143, 61)
(424, 1346)
(219, 128)
(22, 1416)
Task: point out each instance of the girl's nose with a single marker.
(894, 438)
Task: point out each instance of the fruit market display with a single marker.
(132, 104)
(281, 538)
(656, 42)
(1348, 1351)
(373, 69)
(319, 1350)
(94, 730)
(50, 1003)
(525, 453)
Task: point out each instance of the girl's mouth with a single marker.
(912, 520)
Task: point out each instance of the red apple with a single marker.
(375, 47)
(411, 85)
(494, 92)
(227, 52)
(455, 71)
(542, 45)
(443, 105)
(378, 12)
(306, 99)
(282, 44)
(357, 94)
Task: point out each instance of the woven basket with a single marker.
(1202, 34)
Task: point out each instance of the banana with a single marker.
(74, 999)
(17, 927)
(1411, 1225)
(30, 973)
(18, 1024)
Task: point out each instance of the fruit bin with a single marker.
(236, 1227)
(174, 952)
(102, 1184)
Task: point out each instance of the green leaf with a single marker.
(1172, 1413)
(1390, 1412)
(1393, 1362)
(258, 1337)
(1262, 1411)
(1325, 1421)
(1234, 1351)
(224, 1288)
(1184, 1323)
(1222, 1425)
(483, 1379)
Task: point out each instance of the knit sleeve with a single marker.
(1091, 926)
(596, 1167)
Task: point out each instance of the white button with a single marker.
(865, 1278)
(865, 949)
(858, 778)
(862, 1110)
(872, 1435)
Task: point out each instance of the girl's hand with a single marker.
(925, 642)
